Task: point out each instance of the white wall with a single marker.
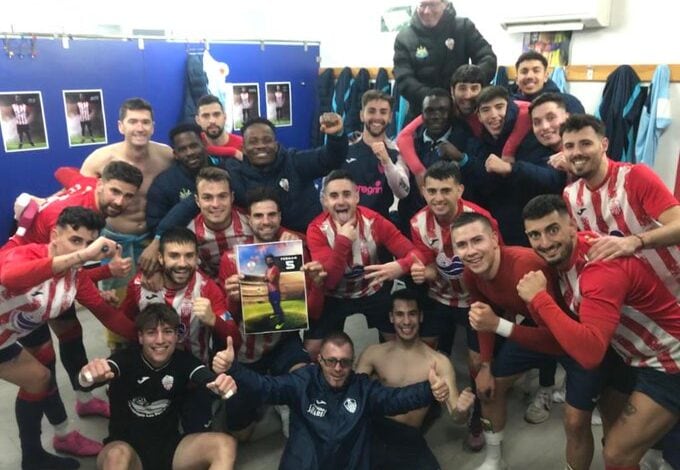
(641, 32)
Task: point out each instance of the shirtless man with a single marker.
(397, 440)
(135, 123)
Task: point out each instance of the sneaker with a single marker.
(94, 407)
(45, 461)
(76, 444)
(474, 442)
(279, 326)
(284, 413)
(559, 395)
(539, 409)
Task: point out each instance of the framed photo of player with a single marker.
(246, 103)
(85, 118)
(279, 103)
(273, 292)
(22, 121)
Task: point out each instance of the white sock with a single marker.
(61, 429)
(494, 440)
(83, 397)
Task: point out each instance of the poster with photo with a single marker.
(279, 103)
(554, 46)
(22, 121)
(85, 118)
(246, 104)
(273, 293)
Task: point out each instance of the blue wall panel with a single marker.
(122, 70)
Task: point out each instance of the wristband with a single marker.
(504, 328)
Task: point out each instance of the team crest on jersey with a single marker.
(615, 208)
(168, 381)
(450, 43)
(421, 52)
(450, 268)
(283, 182)
(350, 405)
(185, 193)
(185, 308)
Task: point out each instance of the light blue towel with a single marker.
(656, 117)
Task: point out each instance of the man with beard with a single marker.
(211, 117)
(619, 302)
(199, 302)
(397, 440)
(432, 47)
(373, 160)
(628, 204)
(268, 353)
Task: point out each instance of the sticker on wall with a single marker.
(246, 103)
(279, 103)
(22, 121)
(85, 118)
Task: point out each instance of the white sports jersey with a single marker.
(84, 111)
(20, 113)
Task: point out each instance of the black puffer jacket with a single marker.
(425, 58)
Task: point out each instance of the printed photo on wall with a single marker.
(246, 104)
(22, 120)
(85, 119)
(554, 46)
(279, 103)
(273, 295)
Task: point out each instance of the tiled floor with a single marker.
(527, 447)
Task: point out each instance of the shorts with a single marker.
(617, 374)
(375, 307)
(440, 318)
(196, 413)
(37, 337)
(242, 409)
(582, 386)
(156, 453)
(398, 446)
(10, 352)
(661, 387)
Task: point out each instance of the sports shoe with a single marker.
(44, 460)
(539, 409)
(279, 326)
(559, 395)
(94, 407)
(284, 414)
(474, 442)
(76, 444)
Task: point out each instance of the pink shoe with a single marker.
(94, 407)
(76, 444)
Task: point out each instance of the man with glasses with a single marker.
(432, 47)
(331, 407)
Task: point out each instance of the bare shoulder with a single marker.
(161, 151)
(95, 162)
(442, 361)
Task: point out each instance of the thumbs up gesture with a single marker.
(421, 273)
(120, 267)
(224, 359)
(438, 385)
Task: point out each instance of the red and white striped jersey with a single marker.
(20, 113)
(627, 304)
(84, 111)
(212, 244)
(194, 335)
(434, 243)
(344, 260)
(629, 201)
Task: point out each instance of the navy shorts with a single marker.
(376, 309)
(582, 386)
(440, 318)
(617, 374)
(661, 387)
(156, 453)
(242, 409)
(10, 352)
(37, 337)
(397, 446)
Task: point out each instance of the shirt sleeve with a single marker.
(390, 401)
(407, 148)
(17, 274)
(520, 131)
(277, 390)
(224, 323)
(333, 259)
(88, 295)
(652, 194)
(180, 215)
(396, 174)
(318, 162)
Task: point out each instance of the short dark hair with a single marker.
(543, 205)
(443, 170)
(78, 216)
(208, 99)
(260, 194)
(373, 95)
(181, 235)
(549, 97)
(338, 338)
(408, 295)
(467, 218)
(531, 55)
(439, 93)
(182, 128)
(123, 171)
(257, 120)
(338, 175)
(155, 314)
(214, 174)
(491, 93)
(468, 73)
(134, 104)
(576, 122)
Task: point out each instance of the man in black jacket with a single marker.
(331, 407)
(432, 47)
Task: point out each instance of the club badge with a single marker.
(450, 43)
(421, 52)
(168, 381)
